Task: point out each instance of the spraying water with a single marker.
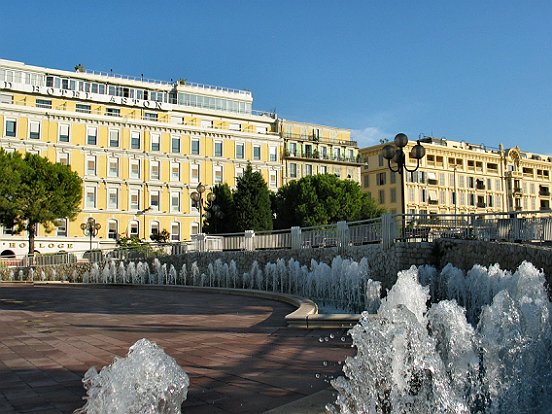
(490, 355)
(147, 381)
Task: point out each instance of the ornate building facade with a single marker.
(458, 177)
(142, 147)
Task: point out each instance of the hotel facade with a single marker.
(460, 178)
(142, 147)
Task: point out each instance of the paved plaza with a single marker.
(240, 356)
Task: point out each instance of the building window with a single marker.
(273, 179)
(85, 109)
(382, 196)
(175, 144)
(11, 127)
(194, 173)
(134, 200)
(113, 198)
(261, 130)
(380, 178)
(90, 200)
(195, 146)
(134, 229)
(218, 174)
(43, 103)
(240, 153)
(256, 152)
(112, 229)
(308, 169)
(154, 200)
(63, 158)
(154, 228)
(154, 170)
(393, 177)
(91, 135)
(323, 169)
(90, 165)
(365, 180)
(113, 112)
(175, 231)
(151, 116)
(155, 142)
(175, 202)
(64, 133)
(34, 129)
(114, 138)
(113, 167)
(218, 148)
(61, 227)
(293, 149)
(175, 171)
(239, 173)
(135, 140)
(293, 170)
(135, 169)
(272, 154)
(393, 195)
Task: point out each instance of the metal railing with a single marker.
(530, 226)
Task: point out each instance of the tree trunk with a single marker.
(31, 230)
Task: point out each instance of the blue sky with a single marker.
(478, 71)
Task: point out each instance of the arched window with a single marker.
(154, 228)
(134, 228)
(112, 229)
(175, 232)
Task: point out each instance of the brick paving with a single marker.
(236, 349)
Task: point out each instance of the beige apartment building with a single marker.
(458, 177)
(316, 149)
(142, 147)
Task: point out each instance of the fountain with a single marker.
(147, 381)
(483, 348)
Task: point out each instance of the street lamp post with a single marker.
(395, 152)
(197, 196)
(90, 228)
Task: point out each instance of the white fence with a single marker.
(532, 226)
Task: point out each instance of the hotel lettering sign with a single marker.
(40, 245)
(65, 93)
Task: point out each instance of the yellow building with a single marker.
(140, 146)
(458, 177)
(316, 149)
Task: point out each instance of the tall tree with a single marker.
(322, 199)
(36, 191)
(252, 202)
(220, 213)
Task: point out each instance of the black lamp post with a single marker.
(197, 196)
(90, 228)
(396, 154)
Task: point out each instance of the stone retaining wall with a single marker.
(465, 253)
(384, 264)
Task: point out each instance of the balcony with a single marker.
(517, 190)
(479, 185)
(314, 138)
(544, 192)
(481, 205)
(322, 157)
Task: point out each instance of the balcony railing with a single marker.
(315, 138)
(325, 157)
